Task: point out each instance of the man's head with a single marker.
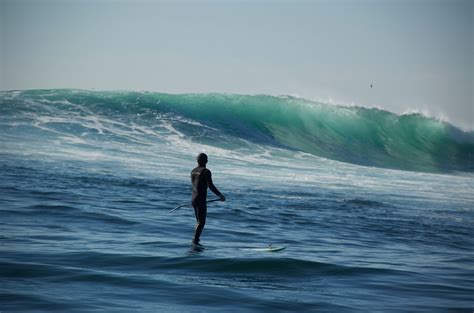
(201, 159)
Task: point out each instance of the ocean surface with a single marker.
(376, 210)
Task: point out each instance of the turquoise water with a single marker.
(375, 209)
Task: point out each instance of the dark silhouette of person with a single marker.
(201, 179)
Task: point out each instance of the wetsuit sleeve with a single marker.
(210, 184)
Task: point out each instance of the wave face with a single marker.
(362, 136)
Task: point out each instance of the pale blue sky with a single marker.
(418, 54)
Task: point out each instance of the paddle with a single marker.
(188, 204)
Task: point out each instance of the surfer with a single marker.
(201, 178)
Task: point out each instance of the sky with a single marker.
(418, 54)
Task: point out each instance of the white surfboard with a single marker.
(270, 248)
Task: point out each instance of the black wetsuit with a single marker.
(201, 179)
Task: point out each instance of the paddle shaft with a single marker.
(187, 203)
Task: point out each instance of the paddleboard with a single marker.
(197, 248)
(266, 249)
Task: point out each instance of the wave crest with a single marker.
(363, 136)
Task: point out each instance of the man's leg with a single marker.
(200, 211)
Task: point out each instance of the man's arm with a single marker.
(212, 187)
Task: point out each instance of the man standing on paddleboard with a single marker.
(201, 178)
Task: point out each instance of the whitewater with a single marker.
(375, 209)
